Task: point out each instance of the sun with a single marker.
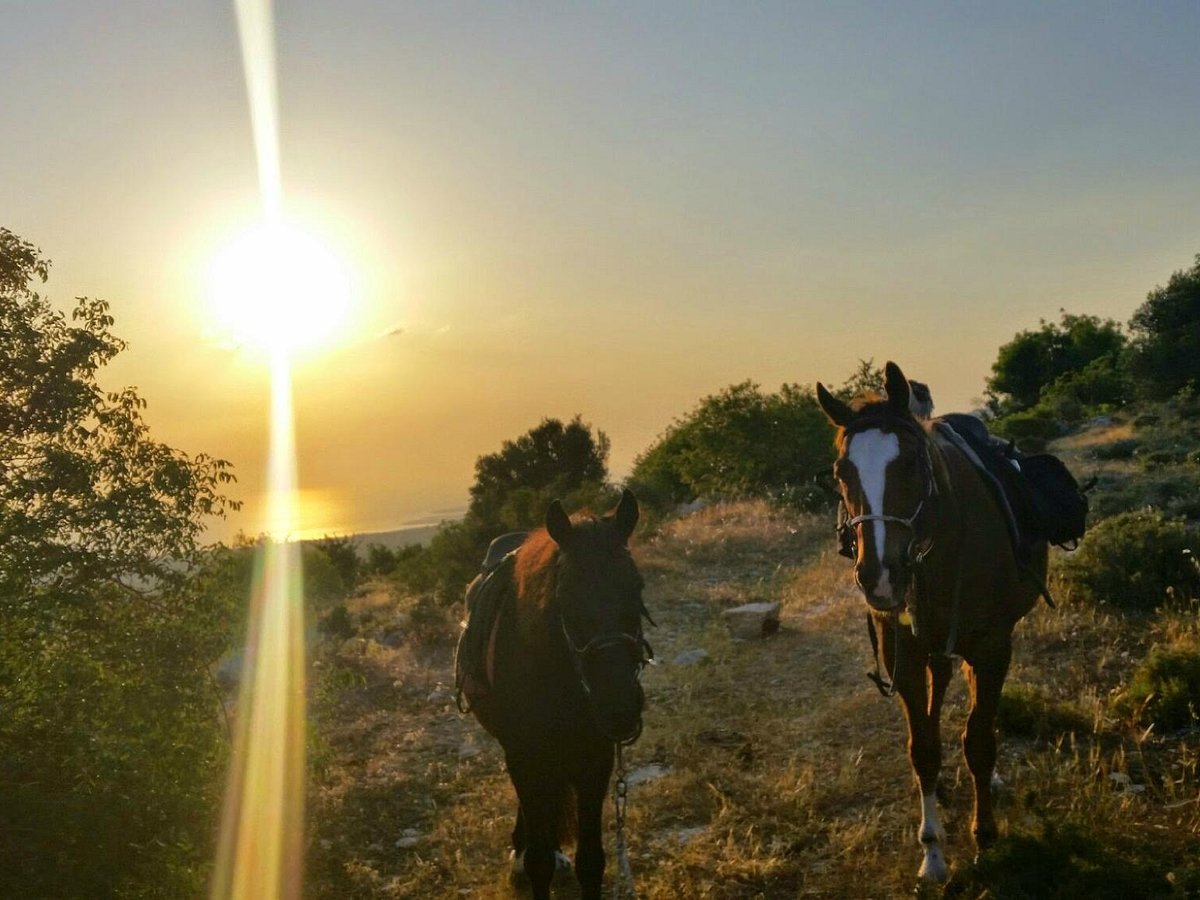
(279, 287)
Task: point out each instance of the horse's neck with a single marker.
(971, 507)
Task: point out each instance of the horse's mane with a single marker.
(536, 572)
(535, 569)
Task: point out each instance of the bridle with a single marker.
(918, 549)
(644, 655)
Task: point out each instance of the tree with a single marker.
(1165, 356)
(112, 612)
(85, 494)
(1033, 360)
(514, 486)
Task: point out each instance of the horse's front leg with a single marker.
(589, 856)
(540, 801)
(985, 677)
(909, 672)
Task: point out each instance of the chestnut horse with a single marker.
(568, 654)
(940, 577)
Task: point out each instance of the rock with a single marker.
(392, 638)
(649, 772)
(1100, 422)
(408, 839)
(683, 836)
(467, 750)
(690, 657)
(439, 696)
(752, 620)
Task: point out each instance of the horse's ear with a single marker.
(626, 514)
(558, 524)
(898, 391)
(837, 411)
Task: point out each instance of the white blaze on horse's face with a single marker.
(871, 452)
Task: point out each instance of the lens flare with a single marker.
(260, 849)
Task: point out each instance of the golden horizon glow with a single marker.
(274, 286)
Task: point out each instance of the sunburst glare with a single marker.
(281, 289)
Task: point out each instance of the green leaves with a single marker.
(85, 493)
(111, 736)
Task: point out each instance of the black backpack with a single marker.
(1060, 507)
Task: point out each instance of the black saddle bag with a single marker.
(1060, 506)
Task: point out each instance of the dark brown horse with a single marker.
(941, 580)
(568, 655)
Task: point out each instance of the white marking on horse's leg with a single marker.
(933, 866)
(870, 452)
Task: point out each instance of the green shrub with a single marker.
(742, 442)
(1030, 428)
(1122, 449)
(1029, 712)
(1164, 691)
(1134, 560)
(1064, 862)
(1172, 490)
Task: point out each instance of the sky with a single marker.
(609, 209)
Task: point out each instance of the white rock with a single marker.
(467, 750)
(752, 620)
(689, 657)
(642, 774)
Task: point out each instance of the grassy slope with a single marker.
(786, 770)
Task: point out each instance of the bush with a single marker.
(1121, 449)
(1135, 560)
(1065, 861)
(1030, 712)
(1171, 490)
(742, 442)
(343, 556)
(1030, 428)
(1164, 691)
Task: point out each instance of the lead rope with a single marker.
(623, 883)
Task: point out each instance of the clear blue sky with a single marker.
(612, 209)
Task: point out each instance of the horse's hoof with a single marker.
(933, 868)
(562, 863)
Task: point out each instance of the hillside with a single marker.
(772, 768)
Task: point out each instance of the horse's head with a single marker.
(599, 598)
(885, 474)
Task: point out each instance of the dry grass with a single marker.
(785, 771)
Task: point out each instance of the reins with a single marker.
(623, 886)
(623, 883)
(915, 554)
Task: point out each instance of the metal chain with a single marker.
(623, 882)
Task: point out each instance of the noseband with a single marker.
(579, 654)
